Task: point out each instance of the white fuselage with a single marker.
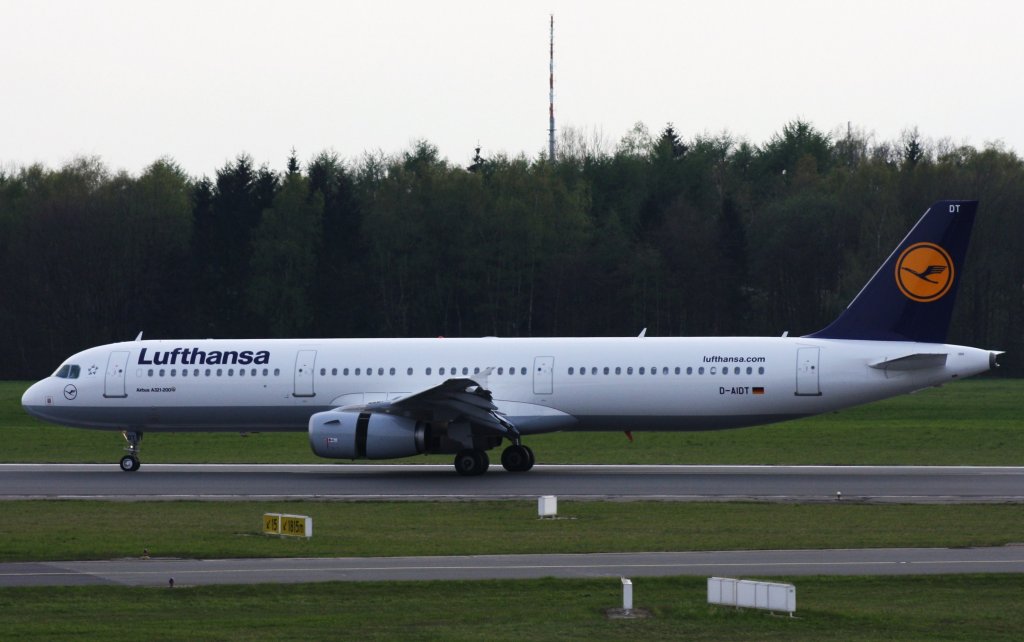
(541, 385)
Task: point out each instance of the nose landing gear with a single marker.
(130, 462)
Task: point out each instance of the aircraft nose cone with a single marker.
(33, 399)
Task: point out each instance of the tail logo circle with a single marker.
(924, 272)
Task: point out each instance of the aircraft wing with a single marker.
(460, 399)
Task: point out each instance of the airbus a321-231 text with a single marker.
(390, 398)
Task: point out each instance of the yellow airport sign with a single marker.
(287, 525)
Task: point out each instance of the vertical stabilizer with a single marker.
(910, 298)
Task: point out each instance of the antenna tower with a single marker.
(551, 95)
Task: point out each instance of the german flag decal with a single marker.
(758, 391)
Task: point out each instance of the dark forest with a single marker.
(704, 236)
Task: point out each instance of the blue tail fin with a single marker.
(910, 298)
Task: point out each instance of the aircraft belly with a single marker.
(680, 423)
(182, 418)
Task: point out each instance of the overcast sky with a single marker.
(202, 81)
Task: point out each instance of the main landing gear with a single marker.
(473, 461)
(130, 462)
(517, 458)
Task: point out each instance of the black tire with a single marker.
(516, 459)
(130, 463)
(483, 461)
(470, 462)
(533, 460)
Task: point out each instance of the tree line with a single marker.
(705, 236)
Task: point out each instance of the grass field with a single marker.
(62, 530)
(846, 608)
(978, 422)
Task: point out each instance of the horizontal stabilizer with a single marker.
(918, 361)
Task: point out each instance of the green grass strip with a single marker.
(962, 607)
(59, 530)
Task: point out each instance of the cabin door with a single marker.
(305, 362)
(807, 371)
(543, 368)
(114, 385)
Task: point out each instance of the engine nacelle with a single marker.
(363, 435)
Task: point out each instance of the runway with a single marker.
(159, 572)
(904, 484)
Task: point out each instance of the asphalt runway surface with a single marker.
(411, 482)
(159, 572)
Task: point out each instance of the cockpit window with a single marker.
(68, 371)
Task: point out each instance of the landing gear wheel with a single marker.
(517, 459)
(471, 462)
(130, 463)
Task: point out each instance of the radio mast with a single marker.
(551, 95)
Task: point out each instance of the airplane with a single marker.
(393, 398)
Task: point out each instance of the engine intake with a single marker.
(339, 434)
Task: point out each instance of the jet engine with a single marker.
(340, 434)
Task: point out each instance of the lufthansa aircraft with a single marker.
(387, 398)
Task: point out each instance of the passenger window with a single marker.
(440, 370)
(253, 372)
(150, 372)
(428, 371)
(606, 370)
(502, 371)
(465, 370)
(409, 371)
(277, 371)
(750, 370)
(184, 372)
(629, 370)
(380, 372)
(323, 371)
(220, 372)
(700, 370)
(174, 372)
(760, 370)
(689, 370)
(266, 372)
(618, 370)
(654, 370)
(522, 370)
(664, 371)
(241, 372)
(713, 370)
(207, 372)
(334, 372)
(570, 370)
(358, 371)
(641, 370)
(231, 372)
(476, 370)
(345, 372)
